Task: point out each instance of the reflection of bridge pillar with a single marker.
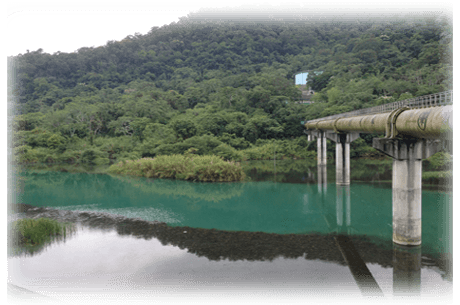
(342, 155)
(343, 208)
(407, 263)
(322, 179)
(407, 157)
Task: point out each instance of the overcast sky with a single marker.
(66, 27)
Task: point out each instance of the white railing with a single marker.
(432, 100)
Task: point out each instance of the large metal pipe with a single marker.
(427, 123)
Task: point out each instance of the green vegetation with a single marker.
(221, 87)
(437, 177)
(196, 168)
(32, 232)
(439, 169)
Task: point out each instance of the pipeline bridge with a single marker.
(413, 130)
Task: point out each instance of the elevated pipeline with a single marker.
(426, 123)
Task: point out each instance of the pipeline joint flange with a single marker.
(316, 125)
(334, 125)
(390, 128)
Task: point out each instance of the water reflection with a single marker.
(343, 208)
(322, 179)
(17, 247)
(407, 263)
(234, 245)
(353, 251)
(251, 221)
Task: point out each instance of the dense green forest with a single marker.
(222, 86)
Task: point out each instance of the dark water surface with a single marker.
(288, 232)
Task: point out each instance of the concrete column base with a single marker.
(407, 157)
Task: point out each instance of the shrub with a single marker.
(93, 157)
(33, 155)
(440, 161)
(439, 177)
(21, 150)
(56, 142)
(227, 152)
(189, 167)
(234, 141)
(123, 156)
(166, 149)
(88, 156)
(70, 156)
(205, 144)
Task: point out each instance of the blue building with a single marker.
(301, 77)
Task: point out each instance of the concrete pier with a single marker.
(321, 136)
(407, 157)
(342, 155)
(322, 148)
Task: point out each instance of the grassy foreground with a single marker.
(188, 167)
(37, 231)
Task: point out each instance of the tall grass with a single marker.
(37, 231)
(188, 167)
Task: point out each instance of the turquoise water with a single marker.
(262, 206)
(267, 205)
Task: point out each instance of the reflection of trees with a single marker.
(203, 191)
(73, 185)
(371, 170)
(304, 171)
(282, 166)
(235, 245)
(287, 171)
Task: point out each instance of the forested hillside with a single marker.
(223, 87)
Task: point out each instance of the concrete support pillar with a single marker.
(342, 155)
(407, 157)
(342, 163)
(322, 148)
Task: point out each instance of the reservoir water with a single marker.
(289, 231)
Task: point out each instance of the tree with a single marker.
(184, 128)
(160, 133)
(257, 97)
(333, 95)
(138, 125)
(194, 96)
(261, 127)
(318, 82)
(122, 126)
(56, 142)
